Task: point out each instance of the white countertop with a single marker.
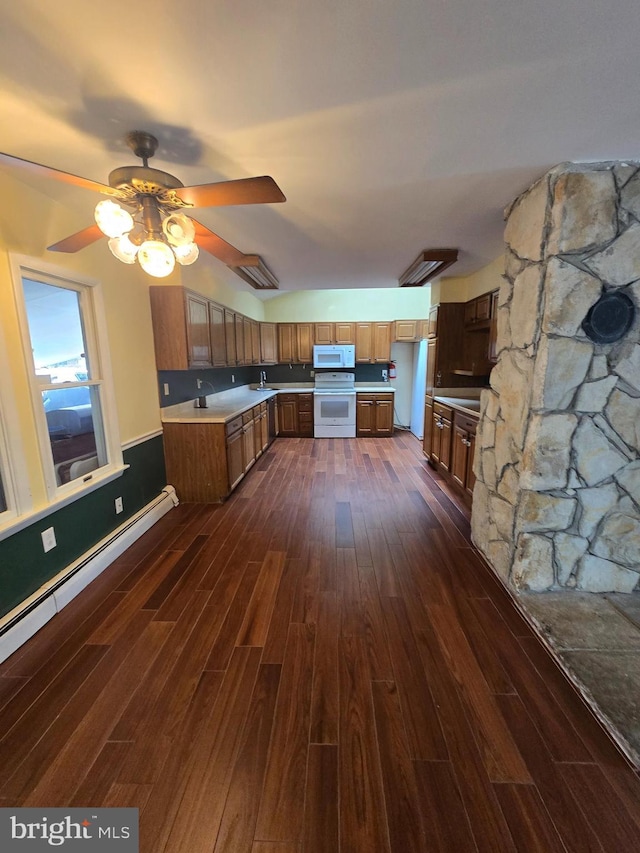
(226, 405)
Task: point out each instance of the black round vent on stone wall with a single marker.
(610, 318)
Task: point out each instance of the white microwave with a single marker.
(334, 355)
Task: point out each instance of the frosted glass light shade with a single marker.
(179, 229)
(123, 249)
(156, 258)
(112, 220)
(186, 254)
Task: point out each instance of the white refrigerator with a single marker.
(418, 391)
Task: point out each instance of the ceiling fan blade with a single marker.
(56, 174)
(217, 247)
(77, 241)
(262, 190)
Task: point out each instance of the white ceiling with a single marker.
(392, 126)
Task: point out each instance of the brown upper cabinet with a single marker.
(373, 343)
(181, 328)
(432, 322)
(287, 345)
(230, 335)
(334, 333)
(239, 339)
(304, 341)
(268, 343)
(217, 335)
(477, 312)
(409, 331)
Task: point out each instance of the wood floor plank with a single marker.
(401, 790)
(363, 824)
(208, 774)
(276, 640)
(241, 807)
(321, 810)
(531, 828)
(444, 816)
(255, 625)
(325, 690)
(426, 741)
(282, 804)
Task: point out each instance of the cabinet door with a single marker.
(493, 328)
(268, 343)
(198, 341)
(304, 340)
(235, 462)
(255, 342)
(432, 355)
(364, 343)
(264, 430)
(323, 333)
(230, 336)
(365, 415)
(428, 427)
(239, 339)
(218, 338)
(459, 456)
(445, 445)
(483, 307)
(168, 314)
(247, 336)
(286, 343)
(248, 445)
(381, 342)
(344, 333)
(432, 327)
(405, 331)
(288, 417)
(384, 417)
(471, 477)
(436, 439)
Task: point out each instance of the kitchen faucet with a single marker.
(263, 378)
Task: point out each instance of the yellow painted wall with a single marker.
(348, 305)
(207, 275)
(462, 289)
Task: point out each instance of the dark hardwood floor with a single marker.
(321, 664)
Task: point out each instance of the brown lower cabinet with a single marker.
(206, 461)
(374, 414)
(295, 413)
(449, 445)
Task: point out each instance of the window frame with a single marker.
(96, 342)
(12, 458)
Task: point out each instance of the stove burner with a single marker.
(610, 318)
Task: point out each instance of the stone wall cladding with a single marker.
(557, 496)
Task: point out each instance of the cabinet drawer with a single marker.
(287, 398)
(443, 411)
(466, 423)
(247, 416)
(305, 403)
(234, 425)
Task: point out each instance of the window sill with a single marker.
(17, 523)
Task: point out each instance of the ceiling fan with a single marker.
(154, 230)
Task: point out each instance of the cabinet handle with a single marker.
(466, 442)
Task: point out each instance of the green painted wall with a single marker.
(24, 567)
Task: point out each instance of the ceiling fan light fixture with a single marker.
(179, 229)
(123, 249)
(186, 254)
(256, 273)
(156, 258)
(427, 266)
(111, 219)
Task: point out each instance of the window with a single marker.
(72, 396)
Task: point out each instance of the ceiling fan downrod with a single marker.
(144, 145)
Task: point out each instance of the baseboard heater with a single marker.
(17, 626)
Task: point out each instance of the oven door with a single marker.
(334, 414)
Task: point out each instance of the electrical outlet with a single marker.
(233, 378)
(385, 375)
(312, 373)
(166, 389)
(198, 383)
(48, 539)
(119, 506)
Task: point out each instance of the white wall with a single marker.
(399, 303)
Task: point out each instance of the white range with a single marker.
(334, 405)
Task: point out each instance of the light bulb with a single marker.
(113, 220)
(179, 229)
(186, 254)
(156, 258)
(123, 249)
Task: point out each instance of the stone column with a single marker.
(557, 498)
